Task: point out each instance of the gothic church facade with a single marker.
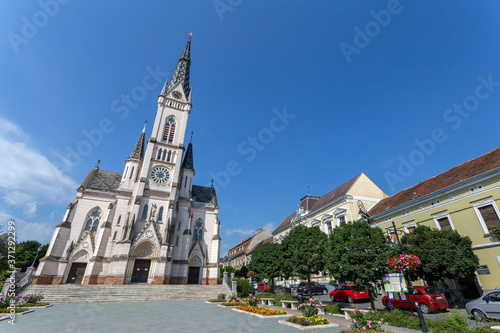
(149, 224)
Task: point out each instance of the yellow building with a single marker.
(329, 210)
(465, 198)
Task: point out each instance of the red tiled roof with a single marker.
(334, 194)
(457, 174)
(285, 222)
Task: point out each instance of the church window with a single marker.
(198, 231)
(125, 173)
(131, 173)
(179, 226)
(119, 219)
(177, 241)
(160, 214)
(145, 212)
(185, 180)
(164, 153)
(169, 156)
(159, 154)
(93, 220)
(169, 132)
(114, 236)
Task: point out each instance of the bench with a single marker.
(321, 309)
(293, 304)
(346, 312)
(267, 301)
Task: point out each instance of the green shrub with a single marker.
(335, 308)
(243, 287)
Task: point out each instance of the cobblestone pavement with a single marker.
(173, 316)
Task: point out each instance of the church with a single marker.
(149, 224)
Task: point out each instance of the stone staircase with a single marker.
(69, 293)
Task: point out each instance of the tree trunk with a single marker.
(372, 301)
(309, 290)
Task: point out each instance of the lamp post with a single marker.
(364, 213)
(423, 326)
(37, 251)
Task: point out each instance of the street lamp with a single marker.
(423, 326)
(364, 213)
(37, 251)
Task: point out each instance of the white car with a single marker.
(486, 306)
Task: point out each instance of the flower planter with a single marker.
(259, 315)
(307, 328)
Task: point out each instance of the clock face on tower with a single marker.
(160, 175)
(177, 94)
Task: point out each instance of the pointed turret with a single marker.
(181, 73)
(188, 158)
(138, 151)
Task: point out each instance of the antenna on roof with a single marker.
(308, 190)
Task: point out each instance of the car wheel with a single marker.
(478, 315)
(387, 305)
(333, 298)
(424, 308)
(349, 299)
(325, 292)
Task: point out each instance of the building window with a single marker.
(432, 203)
(488, 215)
(169, 132)
(443, 222)
(409, 227)
(421, 207)
(131, 173)
(198, 231)
(177, 240)
(114, 236)
(438, 201)
(179, 226)
(144, 212)
(472, 190)
(93, 220)
(160, 214)
(119, 219)
(125, 173)
(450, 196)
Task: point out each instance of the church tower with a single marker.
(149, 224)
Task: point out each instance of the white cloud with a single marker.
(30, 210)
(24, 231)
(269, 226)
(240, 231)
(27, 178)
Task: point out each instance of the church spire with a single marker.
(181, 73)
(188, 158)
(138, 151)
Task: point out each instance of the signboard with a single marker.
(483, 270)
(395, 283)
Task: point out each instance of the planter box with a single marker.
(260, 316)
(307, 328)
(38, 307)
(213, 302)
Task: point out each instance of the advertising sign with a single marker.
(395, 283)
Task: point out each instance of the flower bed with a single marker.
(18, 310)
(262, 311)
(233, 303)
(308, 321)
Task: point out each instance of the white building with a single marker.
(149, 223)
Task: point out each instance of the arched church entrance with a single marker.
(194, 272)
(78, 266)
(144, 263)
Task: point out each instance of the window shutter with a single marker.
(444, 223)
(489, 216)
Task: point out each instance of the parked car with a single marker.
(429, 299)
(263, 287)
(315, 286)
(486, 306)
(350, 293)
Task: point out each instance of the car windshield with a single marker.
(302, 284)
(432, 291)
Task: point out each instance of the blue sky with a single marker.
(367, 87)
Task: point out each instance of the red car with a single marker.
(429, 299)
(263, 287)
(350, 293)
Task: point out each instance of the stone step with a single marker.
(68, 293)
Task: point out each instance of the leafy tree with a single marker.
(444, 254)
(267, 261)
(303, 253)
(27, 251)
(243, 271)
(358, 253)
(3, 254)
(228, 269)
